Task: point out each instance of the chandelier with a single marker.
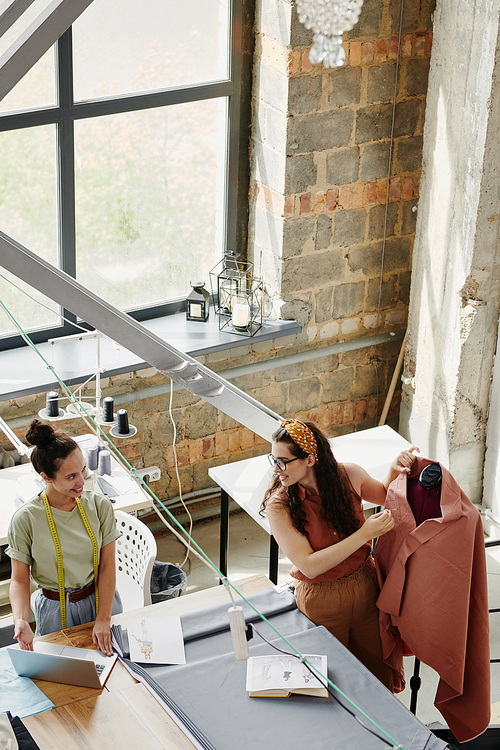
(329, 19)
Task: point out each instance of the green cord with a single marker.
(395, 745)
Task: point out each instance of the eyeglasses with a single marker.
(281, 463)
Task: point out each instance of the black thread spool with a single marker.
(122, 422)
(108, 404)
(52, 404)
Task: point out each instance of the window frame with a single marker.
(66, 111)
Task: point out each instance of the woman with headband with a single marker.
(315, 512)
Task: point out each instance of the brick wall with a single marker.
(319, 156)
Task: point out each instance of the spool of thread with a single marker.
(104, 462)
(101, 446)
(92, 458)
(122, 419)
(52, 404)
(108, 404)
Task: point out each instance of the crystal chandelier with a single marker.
(329, 19)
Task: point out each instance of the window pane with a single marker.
(28, 214)
(120, 47)
(150, 196)
(37, 88)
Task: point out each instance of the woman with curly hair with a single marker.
(315, 513)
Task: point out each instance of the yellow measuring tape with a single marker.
(57, 545)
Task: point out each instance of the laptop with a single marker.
(57, 663)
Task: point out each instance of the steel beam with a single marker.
(123, 329)
(34, 42)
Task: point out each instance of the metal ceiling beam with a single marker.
(39, 37)
(11, 11)
(123, 329)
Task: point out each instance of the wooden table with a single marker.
(123, 714)
(247, 481)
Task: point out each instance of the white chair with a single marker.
(135, 555)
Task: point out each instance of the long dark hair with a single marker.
(51, 447)
(333, 485)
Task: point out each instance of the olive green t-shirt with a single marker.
(30, 540)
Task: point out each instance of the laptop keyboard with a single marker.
(100, 668)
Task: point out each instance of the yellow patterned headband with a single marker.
(302, 435)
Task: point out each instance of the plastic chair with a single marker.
(135, 555)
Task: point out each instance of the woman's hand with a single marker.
(101, 636)
(378, 524)
(23, 634)
(404, 460)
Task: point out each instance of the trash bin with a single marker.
(167, 581)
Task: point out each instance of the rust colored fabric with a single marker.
(434, 598)
(321, 535)
(346, 607)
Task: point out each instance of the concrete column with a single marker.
(455, 286)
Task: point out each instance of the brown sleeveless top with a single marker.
(322, 535)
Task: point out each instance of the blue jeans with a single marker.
(48, 612)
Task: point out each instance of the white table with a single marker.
(247, 481)
(23, 482)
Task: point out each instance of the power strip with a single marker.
(238, 633)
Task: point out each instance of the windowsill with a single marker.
(23, 372)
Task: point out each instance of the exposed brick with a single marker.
(303, 394)
(208, 447)
(349, 227)
(305, 203)
(320, 131)
(407, 117)
(348, 299)
(297, 233)
(319, 202)
(347, 412)
(395, 189)
(289, 207)
(371, 407)
(373, 123)
(306, 63)
(415, 76)
(372, 192)
(355, 53)
(381, 51)
(323, 232)
(246, 438)
(360, 411)
(195, 451)
(407, 46)
(336, 414)
(258, 440)
(342, 166)
(407, 188)
(323, 305)
(374, 161)
(368, 53)
(377, 223)
(301, 173)
(337, 386)
(393, 47)
(369, 20)
(409, 220)
(345, 196)
(382, 191)
(420, 43)
(381, 83)
(357, 195)
(408, 156)
(344, 87)
(233, 440)
(304, 94)
(294, 59)
(332, 199)
(221, 443)
(429, 41)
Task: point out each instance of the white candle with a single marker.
(241, 313)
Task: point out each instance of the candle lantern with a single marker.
(227, 278)
(198, 302)
(246, 305)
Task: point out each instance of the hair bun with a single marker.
(39, 433)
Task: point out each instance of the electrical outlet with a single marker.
(153, 472)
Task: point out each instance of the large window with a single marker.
(119, 172)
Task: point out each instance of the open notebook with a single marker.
(56, 663)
